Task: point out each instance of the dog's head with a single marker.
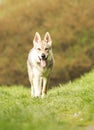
(43, 47)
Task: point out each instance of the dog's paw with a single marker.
(43, 96)
(35, 96)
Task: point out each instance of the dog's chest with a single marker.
(42, 71)
(46, 72)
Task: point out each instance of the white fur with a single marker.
(39, 76)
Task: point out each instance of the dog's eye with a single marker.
(38, 49)
(46, 49)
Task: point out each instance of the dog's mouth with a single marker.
(43, 61)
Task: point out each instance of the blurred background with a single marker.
(71, 25)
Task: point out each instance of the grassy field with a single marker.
(68, 107)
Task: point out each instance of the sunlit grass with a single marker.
(70, 106)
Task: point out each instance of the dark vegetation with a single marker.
(71, 25)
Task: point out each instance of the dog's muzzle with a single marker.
(43, 60)
(44, 57)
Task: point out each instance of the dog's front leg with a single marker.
(44, 89)
(37, 87)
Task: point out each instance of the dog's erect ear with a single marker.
(37, 38)
(47, 38)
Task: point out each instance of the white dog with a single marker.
(40, 63)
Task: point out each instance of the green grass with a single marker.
(67, 107)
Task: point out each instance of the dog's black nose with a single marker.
(43, 56)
